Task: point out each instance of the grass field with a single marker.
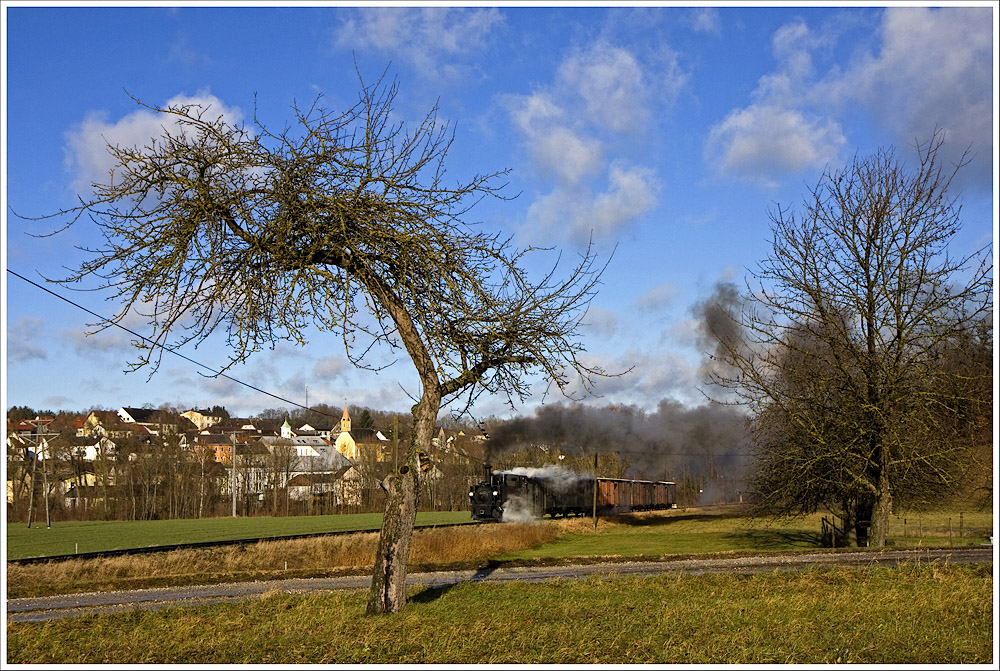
(659, 535)
(941, 614)
(722, 529)
(73, 537)
(678, 531)
(936, 614)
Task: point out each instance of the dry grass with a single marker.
(324, 555)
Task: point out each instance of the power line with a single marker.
(214, 372)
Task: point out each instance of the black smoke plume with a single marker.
(719, 330)
(706, 441)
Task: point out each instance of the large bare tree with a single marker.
(842, 337)
(343, 221)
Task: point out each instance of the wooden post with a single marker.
(595, 490)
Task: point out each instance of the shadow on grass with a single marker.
(633, 521)
(433, 592)
(772, 539)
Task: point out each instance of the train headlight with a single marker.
(496, 493)
(471, 495)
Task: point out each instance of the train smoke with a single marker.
(706, 443)
(558, 479)
(707, 440)
(719, 330)
(518, 510)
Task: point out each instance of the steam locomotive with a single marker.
(524, 494)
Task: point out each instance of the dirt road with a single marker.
(52, 607)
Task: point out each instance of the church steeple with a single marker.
(345, 442)
(345, 421)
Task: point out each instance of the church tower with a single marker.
(345, 421)
(345, 442)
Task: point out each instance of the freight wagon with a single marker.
(535, 493)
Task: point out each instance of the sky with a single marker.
(667, 134)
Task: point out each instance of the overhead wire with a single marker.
(214, 372)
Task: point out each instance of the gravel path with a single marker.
(52, 607)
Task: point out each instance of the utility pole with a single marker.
(595, 490)
(233, 476)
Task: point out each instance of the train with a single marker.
(523, 494)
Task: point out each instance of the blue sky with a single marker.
(665, 132)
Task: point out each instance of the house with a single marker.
(157, 422)
(311, 452)
(338, 489)
(242, 426)
(32, 430)
(92, 448)
(201, 418)
(109, 423)
(219, 445)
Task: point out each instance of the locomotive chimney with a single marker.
(488, 469)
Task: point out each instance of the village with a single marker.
(146, 463)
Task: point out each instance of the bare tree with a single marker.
(840, 341)
(344, 222)
(282, 460)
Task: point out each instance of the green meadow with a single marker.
(938, 613)
(914, 615)
(73, 537)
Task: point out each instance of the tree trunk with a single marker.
(388, 588)
(881, 511)
(862, 522)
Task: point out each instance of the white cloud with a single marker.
(330, 367)
(632, 191)
(434, 41)
(567, 155)
(576, 212)
(931, 69)
(761, 142)
(707, 20)
(23, 339)
(600, 322)
(934, 69)
(651, 377)
(778, 134)
(611, 85)
(87, 142)
(658, 298)
(581, 132)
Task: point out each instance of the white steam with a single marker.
(517, 510)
